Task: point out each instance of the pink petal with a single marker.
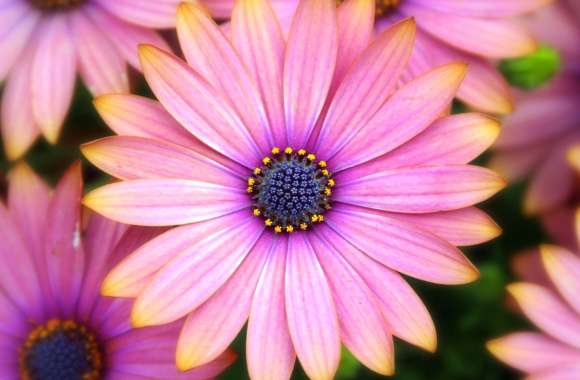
(420, 189)
(309, 67)
(401, 246)
(483, 88)
(165, 202)
(28, 198)
(133, 273)
(19, 130)
(53, 75)
(415, 106)
(568, 372)
(210, 54)
(125, 36)
(362, 327)
(483, 8)
(258, 39)
(552, 184)
(367, 84)
(151, 14)
(65, 256)
(136, 157)
(101, 65)
(149, 353)
(269, 350)
(405, 314)
(515, 164)
(195, 274)
(17, 22)
(205, 115)
(209, 330)
(355, 19)
(101, 236)
(456, 139)
(312, 318)
(493, 38)
(543, 307)
(563, 267)
(532, 352)
(131, 115)
(528, 126)
(463, 227)
(19, 280)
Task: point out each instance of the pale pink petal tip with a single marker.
(573, 157)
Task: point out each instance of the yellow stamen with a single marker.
(322, 163)
(257, 171)
(301, 152)
(266, 160)
(256, 212)
(288, 150)
(278, 229)
(251, 181)
(275, 150)
(268, 222)
(289, 229)
(331, 182)
(311, 157)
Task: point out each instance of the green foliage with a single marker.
(533, 70)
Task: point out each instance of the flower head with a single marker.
(300, 191)
(54, 324)
(540, 138)
(554, 307)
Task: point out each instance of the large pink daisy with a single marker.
(553, 306)
(300, 190)
(540, 138)
(54, 324)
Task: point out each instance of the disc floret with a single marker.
(291, 190)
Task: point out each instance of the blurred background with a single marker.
(465, 316)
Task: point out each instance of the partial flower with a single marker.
(300, 191)
(54, 324)
(554, 307)
(539, 140)
(477, 32)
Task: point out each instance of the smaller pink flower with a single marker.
(538, 141)
(554, 307)
(54, 324)
(45, 43)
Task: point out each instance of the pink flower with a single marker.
(54, 324)
(476, 32)
(300, 191)
(45, 43)
(539, 139)
(553, 306)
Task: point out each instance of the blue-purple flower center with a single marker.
(61, 350)
(56, 4)
(291, 191)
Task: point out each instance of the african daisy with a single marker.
(554, 307)
(300, 190)
(54, 324)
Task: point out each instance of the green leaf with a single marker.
(532, 70)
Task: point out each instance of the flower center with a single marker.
(56, 4)
(291, 190)
(61, 350)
